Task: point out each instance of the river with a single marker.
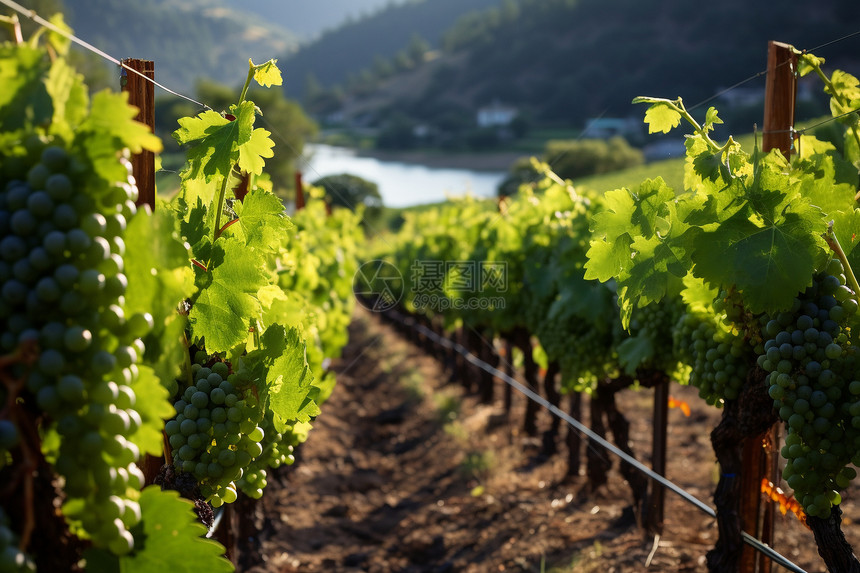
(400, 184)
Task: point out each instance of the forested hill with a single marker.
(567, 60)
(309, 19)
(187, 40)
(350, 48)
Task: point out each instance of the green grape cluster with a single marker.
(12, 559)
(717, 357)
(729, 307)
(581, 350)
(650, 327)
(61, 271)
(215, 434)
(277, 451)
(812, 376)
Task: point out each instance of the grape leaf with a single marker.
(829, 182)
(216, 140)
(263, 221)
(267, 74)
(109, 127)
(284, 380)
(57, 41)
(114, 117)
(807, 63)
(662, 117)
(768, 261)
(24, 99)
(711, 119)
(635, 351)
(639, 241)
(168, 538)
(615, 219)
(159, 277)
(69, 96)
(228, 295)
(848, 87)
(258, 147)
(194, 225)
(697, 295)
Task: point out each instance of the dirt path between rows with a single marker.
(403, 472)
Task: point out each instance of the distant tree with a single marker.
(350, 191)
(397, 133)
(313, 88)
(571, 159)
(417, 49)
(382, 68)
(403, 61)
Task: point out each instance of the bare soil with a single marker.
(405, 472)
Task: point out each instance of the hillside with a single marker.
(563, 61)
(309, 19)
(187, 40)
(352, 47)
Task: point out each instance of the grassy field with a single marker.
(671, 170)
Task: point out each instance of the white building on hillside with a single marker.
(496, 115)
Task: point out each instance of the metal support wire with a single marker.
(531, 395)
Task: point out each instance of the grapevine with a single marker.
(125, 329)
(711, 287)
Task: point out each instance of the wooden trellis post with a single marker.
(760, 453)
(141, 94)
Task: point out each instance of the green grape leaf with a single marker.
(768, 261)
(848, 87)
(154, 407)
(159, 277)
(285, 307)
(252, 153)
(114, 117)
(267, 74)
(59, 42)
(616, 218)
(711, 119)
(640, 242)
(24, 99)
(633, 352)
(662, 117)
(70, 98)
(284, 378)
(808, 63)
(215, 140)
(607, 260)
(697, 295)
(109, 127)
(609, 255)
(227, 298)
(263, 221)
(168, 538)
(703, 165)
(829, 182)
(192, 190)
(194, 225)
